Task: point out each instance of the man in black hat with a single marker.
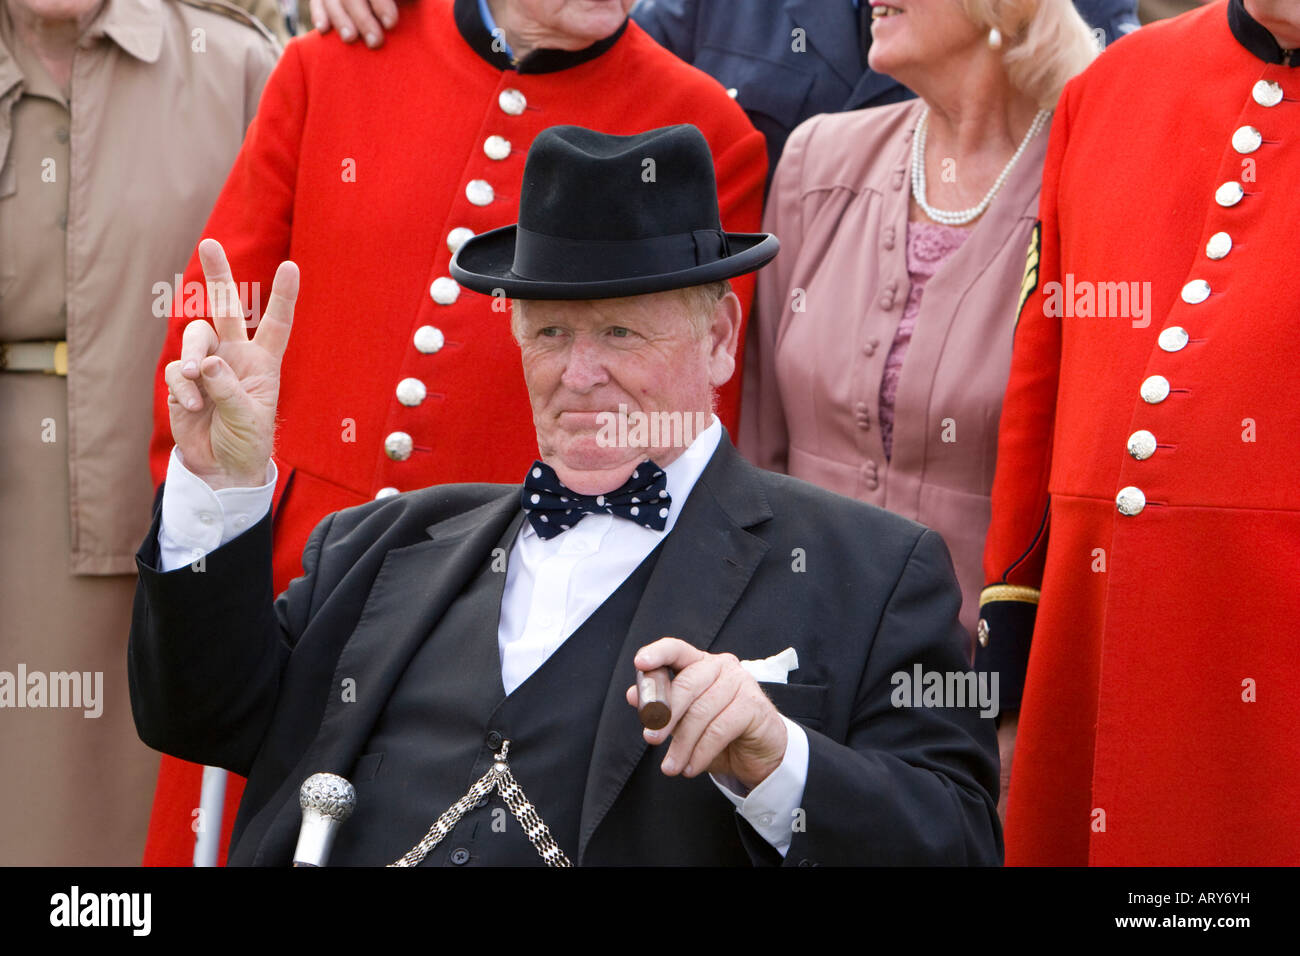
(453, 649)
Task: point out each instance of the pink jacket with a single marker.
(825, 315)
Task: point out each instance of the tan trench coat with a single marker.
(103, 191)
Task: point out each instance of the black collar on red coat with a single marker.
(475, 33)
(1251, 34)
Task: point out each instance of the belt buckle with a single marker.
(51, 358)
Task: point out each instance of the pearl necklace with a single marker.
(962, 216)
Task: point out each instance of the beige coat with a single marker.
(161, 96)
(839, 204)
(103, 191)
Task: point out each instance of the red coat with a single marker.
(358, 167)
(1161, 720)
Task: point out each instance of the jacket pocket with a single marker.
(366, 767)
(802, 703)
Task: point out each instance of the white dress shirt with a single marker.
(552, 587)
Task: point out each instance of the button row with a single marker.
(1155, 389)
(445, 290)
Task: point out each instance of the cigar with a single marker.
(652, 693)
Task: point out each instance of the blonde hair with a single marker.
(1044, 43)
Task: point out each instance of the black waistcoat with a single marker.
(447, 715)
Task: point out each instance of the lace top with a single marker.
(928, 246)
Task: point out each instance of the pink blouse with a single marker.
(928, 245)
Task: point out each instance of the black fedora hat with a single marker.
(603, 216)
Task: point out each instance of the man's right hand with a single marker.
(222, 391)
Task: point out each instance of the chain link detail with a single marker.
(501, 779)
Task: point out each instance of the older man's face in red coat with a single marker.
(558, 24)
(646, 357)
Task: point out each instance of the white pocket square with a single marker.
(774, 669)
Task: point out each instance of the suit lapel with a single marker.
(708, 543)
(408, 596)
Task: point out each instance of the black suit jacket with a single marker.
(222, 673)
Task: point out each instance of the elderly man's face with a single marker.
(582, 359)
(52, 10)
(584, 21)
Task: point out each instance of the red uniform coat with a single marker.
(1148, 480)
(359, 166)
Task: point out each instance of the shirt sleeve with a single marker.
(771, 807)
(197, 520)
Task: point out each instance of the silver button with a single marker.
(512, 102)
(1220, 245)
(1173, 338)
(398, 446)
(1267, 93)
(445, 290)
(1155, 390)
(733, 92)
(411, 392)
(387, 492)
(982, 632)
(479, 192)
(429, 339)
(1229, 194)
(1142, 444)
(1130, 501)
(1246, 139)
(458, 237)
(496, 147)
(1196, 292)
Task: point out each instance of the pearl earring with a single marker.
(995, 39)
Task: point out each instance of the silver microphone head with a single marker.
(326, 800)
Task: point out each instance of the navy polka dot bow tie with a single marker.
(553, 509)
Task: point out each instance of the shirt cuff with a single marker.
(771, 807)
(197, 520)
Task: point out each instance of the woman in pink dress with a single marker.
(881, 342)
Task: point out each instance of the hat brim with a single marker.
(484, 263)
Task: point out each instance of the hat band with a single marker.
(543, 258)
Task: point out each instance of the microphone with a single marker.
(326, 800)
